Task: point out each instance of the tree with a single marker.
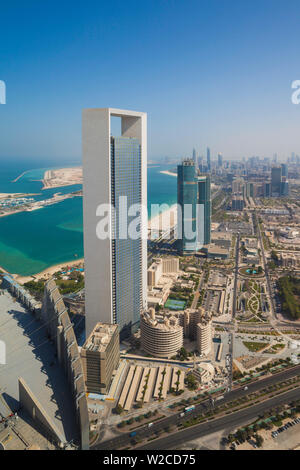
(259, 440)
(191, 382)
(118, 409)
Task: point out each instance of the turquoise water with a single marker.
(33, 241)
(251, 271)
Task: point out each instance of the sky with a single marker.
(214, 73)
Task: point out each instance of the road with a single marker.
(233, 421)
(265, 265)
(123, 440)
(236, 273)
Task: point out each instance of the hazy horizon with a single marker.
(215, 74)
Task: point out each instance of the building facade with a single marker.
(204, 335)
(114, 179)
(204, 199)
(100, 357)
(187, 197)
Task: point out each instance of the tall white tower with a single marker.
(116, 266)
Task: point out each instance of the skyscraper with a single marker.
(204, 198)
(208, 159)
(220, 160)
(187, 195)
(114, 168)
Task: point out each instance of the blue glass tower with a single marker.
(204, 199)
(126, 252)
(187, 198)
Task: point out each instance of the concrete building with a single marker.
(161, 336)
(288, 260)
(114, 175)
(208, 159)
(204, 372)
(100, 357)
(204, 335)
(237, 185)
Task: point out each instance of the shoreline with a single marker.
(165, 218)
(61, 177)
(154, 223)
(167, 172)
(48, 272)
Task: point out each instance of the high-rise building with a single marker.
(267, 189)
(220, 160)
(114, 168)
(237, 185)
(276, 174)
(204, 199)
(208, 159)
(195, 158)
(187, 197)
(100, 357)
(284, 170)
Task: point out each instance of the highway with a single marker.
(265, 265)
(123, 439)
(230, 422)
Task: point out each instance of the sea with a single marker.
(33, 241)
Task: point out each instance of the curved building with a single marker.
(161, 336)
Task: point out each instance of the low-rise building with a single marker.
(100, 356)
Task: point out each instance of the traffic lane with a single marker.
(231, 421)
(200, 408)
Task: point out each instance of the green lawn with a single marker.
(253, 346)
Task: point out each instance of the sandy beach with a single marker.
(62, 177)
(47, 273)
(163, 220)
(170, 173)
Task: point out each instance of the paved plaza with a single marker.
(31, 355)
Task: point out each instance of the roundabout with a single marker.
(252, 272)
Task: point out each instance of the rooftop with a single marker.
(100, 337)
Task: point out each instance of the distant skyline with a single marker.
(209, 74)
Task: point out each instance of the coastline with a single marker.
(155, 223)
(164, 219)
(167, 172)
(48, 272)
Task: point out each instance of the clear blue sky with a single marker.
(215, 73)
